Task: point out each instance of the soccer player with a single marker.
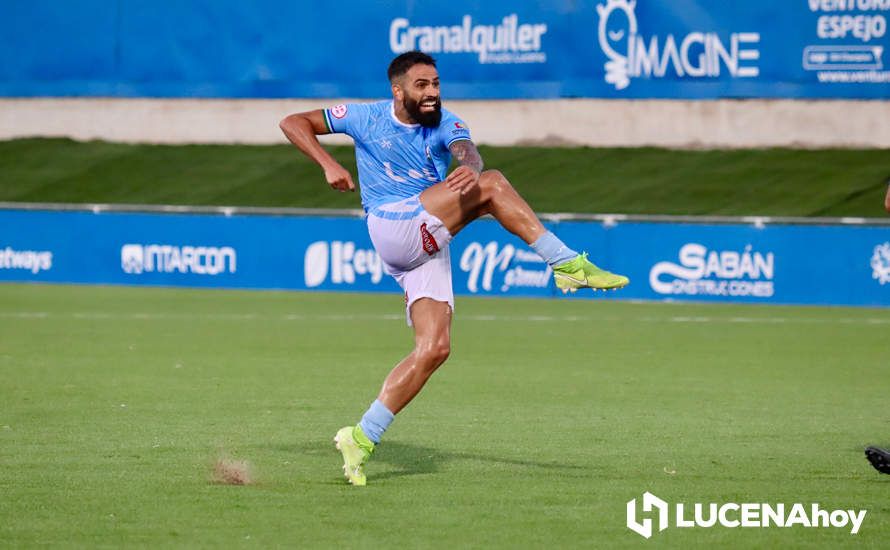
(403, 149)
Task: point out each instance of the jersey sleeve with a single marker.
(346, 118)
(452, 129)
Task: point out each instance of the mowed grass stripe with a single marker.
(773, 182)
(99, 315)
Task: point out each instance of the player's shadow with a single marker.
(408, 459)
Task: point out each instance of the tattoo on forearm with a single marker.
(466, 154)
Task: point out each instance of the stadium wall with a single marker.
(745, 261)
(569, 122)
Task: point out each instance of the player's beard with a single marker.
(428, 120)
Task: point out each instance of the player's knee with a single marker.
(440, 351)
(435, 352)
(493, 177)
(494, 182)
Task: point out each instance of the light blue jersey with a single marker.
(395, 160)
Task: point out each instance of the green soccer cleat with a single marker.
(356, 449)
(581, 273)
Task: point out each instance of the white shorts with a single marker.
(413, 245)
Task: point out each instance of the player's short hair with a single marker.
(400, 65)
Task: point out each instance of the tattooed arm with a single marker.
(465, 176)
(466, 154)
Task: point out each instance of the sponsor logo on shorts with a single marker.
(166, 258)
(343, 261)
(430, 246)
(339, 111)
(34, 261)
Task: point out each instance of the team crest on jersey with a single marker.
(339, 111)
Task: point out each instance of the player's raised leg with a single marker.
(494, 195)
(432, 344)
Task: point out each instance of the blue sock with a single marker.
(553, 250)
(376, 421)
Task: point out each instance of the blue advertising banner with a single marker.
(776, 264)
(685, 49)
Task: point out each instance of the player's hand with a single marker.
(462, 180)
(339, 178)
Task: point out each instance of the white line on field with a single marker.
(114, 316)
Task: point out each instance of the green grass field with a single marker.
(774, 182)
(547, 419)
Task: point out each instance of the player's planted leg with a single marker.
(432, 345)
(494, 195)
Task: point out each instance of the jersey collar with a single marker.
(392, 113)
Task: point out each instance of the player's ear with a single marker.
(397, 92)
